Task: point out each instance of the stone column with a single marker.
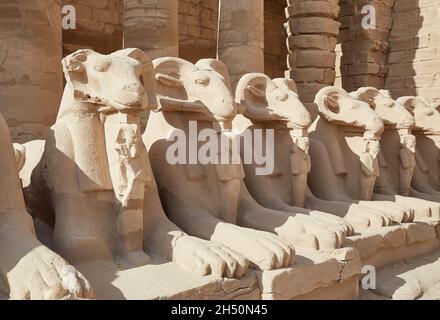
(31, 78)
(241, 37)
(364, 45)
(152, 26)
(312, 30)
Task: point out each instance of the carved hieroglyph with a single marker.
(31, 270)
(344, 149)
(211, 200)
(97, 171)
(426, 180)
(397, 155)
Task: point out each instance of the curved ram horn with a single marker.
(411, 102)
(172, 67)
(327, 100)
(250, 95)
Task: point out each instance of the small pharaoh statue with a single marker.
(300, 166)
(129, 175)
(407, 162)
(369, 168)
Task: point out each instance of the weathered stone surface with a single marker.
(98, 26)
(30, 72)
(241, 37)
(152, 26)
(29, 270)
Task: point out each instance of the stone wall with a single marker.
(414, 59)
(363, 52)
(198, 23)
(31, 78)
(99, 26)
(275, 38)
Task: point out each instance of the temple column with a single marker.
(313, 30)
(241, 37)
(152, 26)
(31, 78)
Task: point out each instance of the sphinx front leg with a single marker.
(386, 205)
(360, 217)
(264, 250)
(423, 209)
(32, 270)
(300, 230)
(164, 238)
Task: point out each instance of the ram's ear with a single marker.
(168, 81)
(256, 92)
(291, 85)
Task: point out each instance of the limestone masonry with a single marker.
(220, 149)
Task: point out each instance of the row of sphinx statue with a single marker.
(101, 181)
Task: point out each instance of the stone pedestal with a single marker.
(241, 37)
(152, 26)
(31, 79)
(408, 280)
(164, 280)
(314, 275)
(383, 246)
